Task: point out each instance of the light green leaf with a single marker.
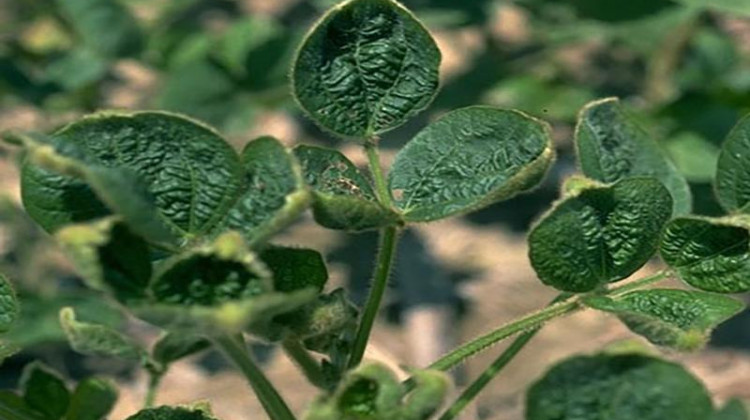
(599, 235)
(342, 197)
(13, 407)
(96, 339)
(738, 7)
(676, 318)
(709, 254)
(733, 410)
(77, 69)
(9, 306)
(92, 399)
(612, 146)
(173, 413)
(468, 159)
(7, 350)
(105, 26)
(365, 68)
(44, 391)
(733, 170)
(617, 387)
(694, 156)
(273, 194)
(172, 347)
(108, 257)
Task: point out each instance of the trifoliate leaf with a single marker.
(44, 391)
(612, 146)
(733, 169)
(9, 306)
(365, 68)
(469, 159)
(599, 235)
(92, 399)
(96, 339)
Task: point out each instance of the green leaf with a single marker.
(709, 254)
(92, 399)
(617, 387)
(44, 391)
(9, 306)
(295, 268)
(96, 339)
(108, 257)
(612, 146)
(172, 413)
(77, 69)
(738, 7)
(599, 235)
(343, 197)
(172, 347)
(365, 68)
(13, 407)
(733, 171)
(7, 350)
(676, 318)
(469, 159)
(273, 194)
(191, 173)
(106, 26)
(733, 410)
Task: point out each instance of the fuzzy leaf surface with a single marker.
(95, 339)
(599, 235)
(617, 387)
(469, 159)
(733, 169)
(612, 146)
(365, 68)
(709, 254)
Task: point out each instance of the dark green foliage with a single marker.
(9, 306)
(172, 413)
(105, 26)
(295, 268)
(44, 391)
(733, 171)
(92, 399)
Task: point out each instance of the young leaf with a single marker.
(468, 159)
(95, 339)
(92, 399)
(9, 306)
(612, 146)
(733, 410)
(273, 194)
(599, 235)
(709, 254)
(733, 171)
(172, 413)
(675, 318)
(342, 197)
(105, 26)
(44, 391)
(365, 68)
(191, 172)
(617, 387)
(172, 347)
(108, 257)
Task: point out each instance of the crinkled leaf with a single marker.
(366, 67)
(468, 159)
(295, 268)
(272, 194)
(96, 339)
(108, 257)
(733, 410)
(105, 26)
(617, 387)
(342, 197)
(44, 391)
(92, 399)
(676, 318)
(9, 306)
(600, 235)
(733, 169)
(191, 173)
(709, 254)
(612, 146)
(173, 413)
(172, 347)
(13, 407)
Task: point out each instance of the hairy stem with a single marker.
(236, 350)
(381, 188)
(310, 367)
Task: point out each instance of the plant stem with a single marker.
(494, 369)
(310, 367)
(640, 283)
(381, 188)
(386, 252)
(236, 350)
(154, 381)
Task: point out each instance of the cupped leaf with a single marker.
(9, 306)
(343, 197)
(468, 159)
(709, 254)
(612, 146)
(96, 339)
(44, 391)
(105, 26)
(733, 410)
(173, 413)
(668, 317)
(273, 192)
(366, 67)
(733, 169)
(172, 347)
(192, 174)
(92, 399)
(617, 387)
(599, 235)
(109, 257)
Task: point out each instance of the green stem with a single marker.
(310, 367)
(381, 187)
(640, 283)
(386, 252)
(154, 381)
(494, 369)
(236, 350)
